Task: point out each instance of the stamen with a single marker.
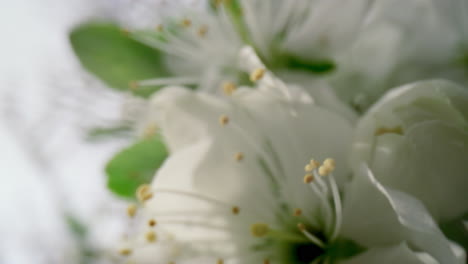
(125, 251)
(321, 194)
(131, 210)
(251, 62)
(324, 170)
(197, 196)
(329, 162)
(337, 203)
(202, 224)
(150, 236)
(239, 156)
(385, 130)
(315, 240)
(320, 182)
(308, 168)
(152, 222)
(202, 30)
(186, 22)
(220, 261)
(257, 74)
(266, 261)
(125, 31)
(150, 130)
(301, 226)
(133, 85)
(308, 178)
(314, 164)
(160, 28)
(259, 229)
(223, 120)
(144, 193)
(235, 210)
(228, 88)
(297, 212)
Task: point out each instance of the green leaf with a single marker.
(109, 53)
(134, 166)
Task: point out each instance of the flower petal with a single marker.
(390, 255)
(275, 136)
(321, 92)
(416, 140)
(374, 215)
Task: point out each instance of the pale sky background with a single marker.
(46, 169)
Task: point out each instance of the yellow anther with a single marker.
(324, 170)
(223, 120)
(259, 229)
(131, 210)
(202, 30)
(146, 197)
(125, 251)
(297, 212)
(309, 168)
(150, 236)
(257, 74)
(160, 28)
(314, 164)
(329, 163)
(239, 156)
(308, 178)
(144, 193)
(152, 222)
(133, 85)
(235, 210)
(301, 227)
(125, 32)
(220, 261)
(150, 130)
(186, 22)
(228, 88)
(389, 130)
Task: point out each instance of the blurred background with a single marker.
(54, 205)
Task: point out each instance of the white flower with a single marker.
(404, 41)
(200, 50)
(233, 189)
(307, 35)
(415, 139)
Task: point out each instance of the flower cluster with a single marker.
(323, 131)
(239, 185)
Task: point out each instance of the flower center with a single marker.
(299, 243)
(305, 243)
(303, 253)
